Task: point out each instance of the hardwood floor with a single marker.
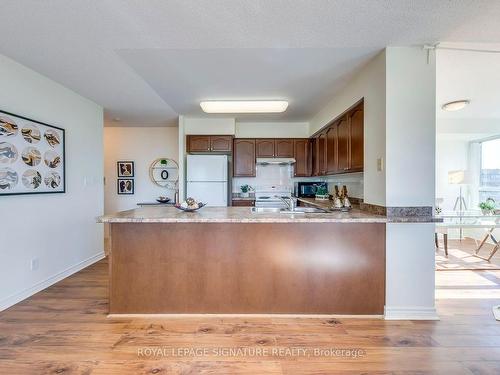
(64, 330)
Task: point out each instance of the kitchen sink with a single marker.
(298, 210)
(263, 210)
(308, 210)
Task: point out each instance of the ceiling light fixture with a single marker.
(455, 105)
(244, 106)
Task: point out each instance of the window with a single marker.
(489, 179)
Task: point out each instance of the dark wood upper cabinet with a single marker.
(265, 148)
(331, 149)
(321, 149)
(338, 147)
(209, 143)
(283, 148)
(343, 145)
(244, 157)
(221, 143)
(356, 123)
(198, 143)
(303, 157)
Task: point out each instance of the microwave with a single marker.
(308, 189)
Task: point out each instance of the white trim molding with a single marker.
(18, 297)
(410, 313)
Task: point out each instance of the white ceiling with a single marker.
(148, 61)
(472, 75)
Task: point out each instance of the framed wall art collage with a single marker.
(32, 156)
(125, 173)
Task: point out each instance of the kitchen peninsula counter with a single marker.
(232, 261)
(236, 215)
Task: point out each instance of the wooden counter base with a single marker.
(269, 268)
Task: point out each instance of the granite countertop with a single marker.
(395, 215)
(238, 197)
(235, 215)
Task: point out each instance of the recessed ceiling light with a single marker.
(244, 106)
(455, 105)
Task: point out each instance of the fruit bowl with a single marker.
(200, 205)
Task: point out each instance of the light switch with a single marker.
(380, 164)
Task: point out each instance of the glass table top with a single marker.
(469, 218)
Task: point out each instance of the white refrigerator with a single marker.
(207, 179)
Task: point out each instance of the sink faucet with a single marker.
(289, 201)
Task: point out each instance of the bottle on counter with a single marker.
(346, 202)
(337, 201)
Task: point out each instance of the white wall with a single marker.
(370, 85)
(410, 181)
(451, 154)
(212, 125)
(60, 230)
(272, 130)
(410, 264)
(141, 145)
(410, 127)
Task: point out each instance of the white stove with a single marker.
(269, 196)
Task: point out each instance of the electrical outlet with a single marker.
(34, 264)
(380, 164)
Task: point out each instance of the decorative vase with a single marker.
(245, 194)
(486, 211)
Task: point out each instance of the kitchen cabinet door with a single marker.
(343, 145)
(302, 155)
(244, 158)
(221, 143)
(265, 148)
(314, 156)
(284, 148)
(321, 146)
(356, 123)
(331, 149)
(198, 143)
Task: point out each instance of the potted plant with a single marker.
(488, 206)
(245, 190)
(322, 193)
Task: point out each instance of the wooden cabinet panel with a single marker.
(284, 148)
(221, 143)
(321, 147)
(356, 121)
(302, 155)
(244, 158)
(265, 148)
(314, 156)
(331, 149)
(343, 145)
(243, 203)
(198, 143)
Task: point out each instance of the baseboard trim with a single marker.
(249, 316)
(18, 297)
(410, 313)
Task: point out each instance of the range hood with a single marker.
(279, 161)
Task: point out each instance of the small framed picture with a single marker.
(125, 168)
(125, 186)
